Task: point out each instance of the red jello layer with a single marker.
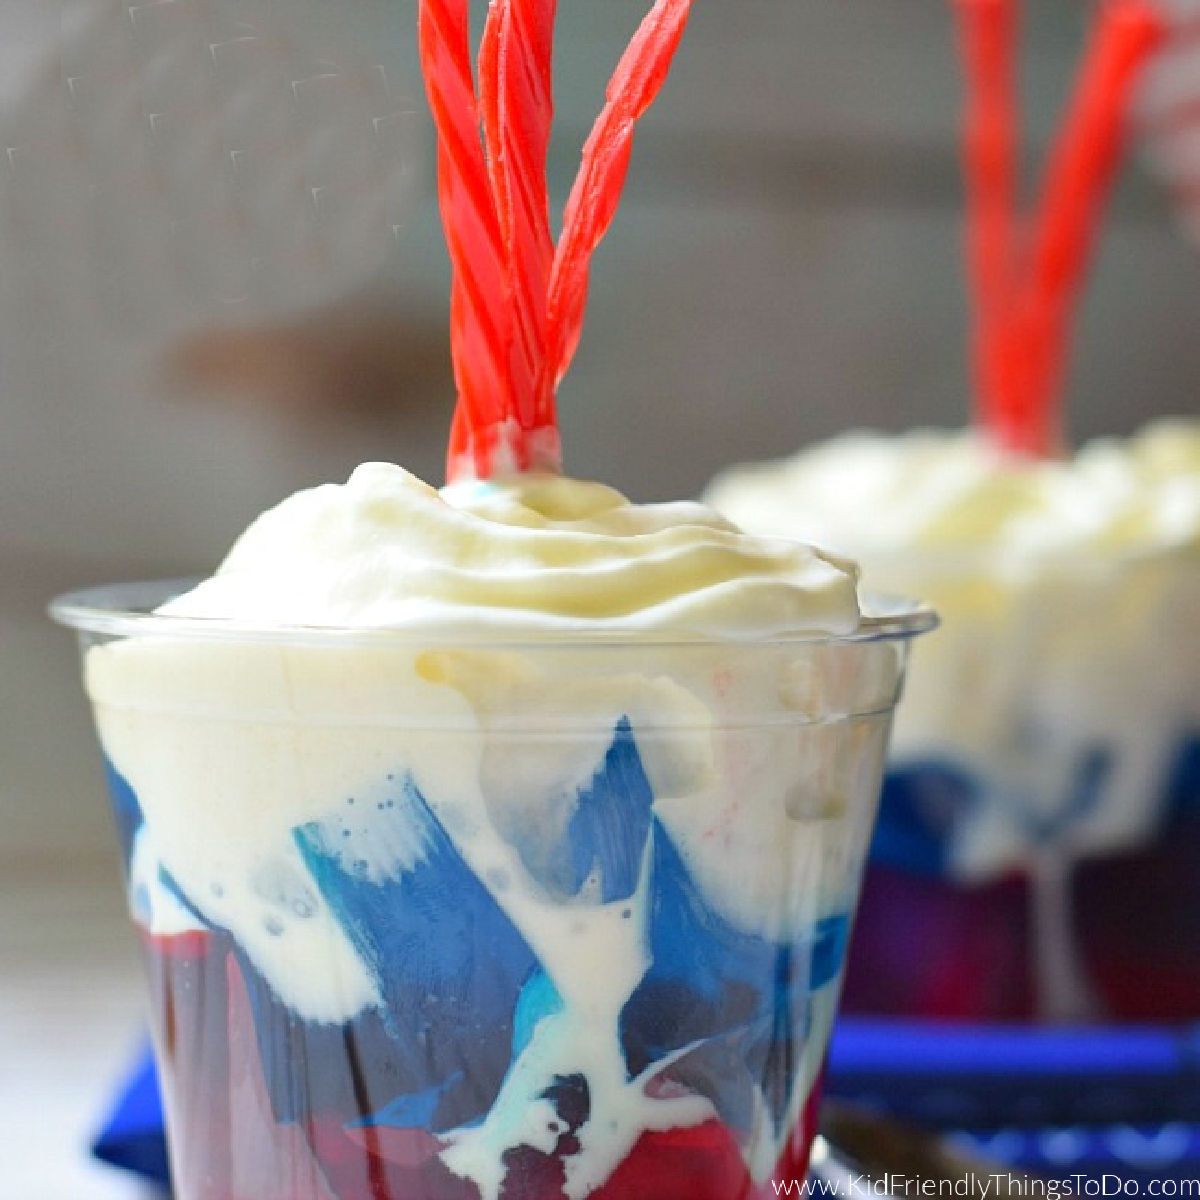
(227, 1143)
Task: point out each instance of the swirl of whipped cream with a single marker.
(867, 494)
(533, 553)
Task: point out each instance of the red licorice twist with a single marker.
(1025, 281)
(517, 304)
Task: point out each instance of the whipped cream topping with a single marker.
(869, 494)
(532, 553)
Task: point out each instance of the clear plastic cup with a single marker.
(443, 918)
(1043, 792)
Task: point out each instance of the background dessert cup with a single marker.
(1043, 794)
(433, 917)
(1045, 770)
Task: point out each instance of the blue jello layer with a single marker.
(924, 802)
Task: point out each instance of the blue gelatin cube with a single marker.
(448, 963)
(738, 1000)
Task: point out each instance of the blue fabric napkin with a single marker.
(132, 1136)
(1058, 1102)
(963, 1076)
(1105, 1153)
(1120, 1102)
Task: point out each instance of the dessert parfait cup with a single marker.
(435, 917)
(1041, 811)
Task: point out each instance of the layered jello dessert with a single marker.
(500, 842)
(1051, 734)
(496, 842)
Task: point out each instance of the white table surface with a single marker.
(70, 1018)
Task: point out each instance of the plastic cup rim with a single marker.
(125, 610)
